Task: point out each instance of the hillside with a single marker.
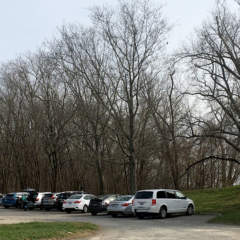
(224, 202)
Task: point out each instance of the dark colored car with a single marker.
(32, 194)
(1, 197)
(49, 201)
(63, 196)
(13, 199)
(100, 204)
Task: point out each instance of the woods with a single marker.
(106, 109)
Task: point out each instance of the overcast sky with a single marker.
(26, 24)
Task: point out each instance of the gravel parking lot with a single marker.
(176, 227)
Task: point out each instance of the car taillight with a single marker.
(37, 199)
(133, 202)
(154, 201)
(64, 201)
(52, 197)
(77, 202)
(125, 204)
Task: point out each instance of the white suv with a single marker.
(161, 202)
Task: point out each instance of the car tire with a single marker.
(85, 209)
(93, 213)
(190, 210)
(163, 212)
(114, 215)
(140, 215)
(68, 211)
(6, 206)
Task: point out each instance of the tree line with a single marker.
(105, 108)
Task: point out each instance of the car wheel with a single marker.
(68, 211)
(190, 210)
(114, 215)
(85, 209)
(6, 206)
(93, 213)
(163, 212)
(140, 215)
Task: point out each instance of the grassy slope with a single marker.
(225, 201)
(43, 230)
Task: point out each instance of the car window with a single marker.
(144, 195)
(109, 199)
(123, 198)
(76, 196)
(48, 195)
(9, 195)
(103, 197)
(180, 195)
(161, 194)
(87, 197)
(171, 195)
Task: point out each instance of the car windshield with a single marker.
(48, 195)
(10, 195)
(123, 198)
(103, 197)
(76, 196)
(144, 195)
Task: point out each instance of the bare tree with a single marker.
(124, 45)
(214, 61)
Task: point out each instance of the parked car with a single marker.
(49, 201)
(161, 202)
(77, 202)
(121, 205)
(100, 204)
(1, 197)
(32, 194)
(63, 196)
(13, 199)
(38, 199)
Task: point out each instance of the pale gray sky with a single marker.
(25, 24)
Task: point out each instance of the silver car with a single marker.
(122, 205)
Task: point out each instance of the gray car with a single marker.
(121, 206)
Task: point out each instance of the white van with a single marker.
(161, 202)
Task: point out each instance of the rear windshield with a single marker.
(123, 198)
(76, 196)
(10, 195)
(144, 195)
(48, 195)
(103, 197)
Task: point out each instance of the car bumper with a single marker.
(97, 209)
(120, 210)
(71, 207)
(152, 209)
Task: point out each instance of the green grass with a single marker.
(224, 202)
(44, 230)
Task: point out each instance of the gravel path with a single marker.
(173, 228)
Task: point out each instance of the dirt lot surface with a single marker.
(121, 228)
